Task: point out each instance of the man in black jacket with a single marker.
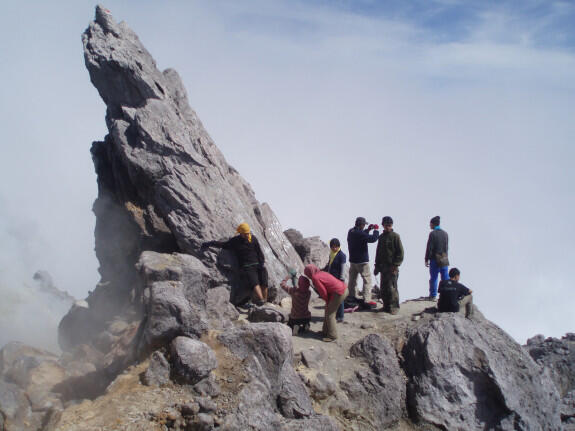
(357, 240)
(453, 295)
(436, 256)
(247, 250)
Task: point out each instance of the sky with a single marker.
(331, 110)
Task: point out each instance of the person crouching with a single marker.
(333, 292)
(300, 316)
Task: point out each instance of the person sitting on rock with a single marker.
(333, 292)
(335, 266)
(299, 316)
(454, 296)
(251, 261)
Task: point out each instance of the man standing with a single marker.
(436, 256)
(335, 266)
(253, 274)
(388, 257)
(357, 240)
(454, 295)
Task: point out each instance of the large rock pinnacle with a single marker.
(163, 185)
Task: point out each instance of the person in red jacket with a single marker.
(333, 292)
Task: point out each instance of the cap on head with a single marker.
(334, 243)
(386, 220)
(360, 221)
(243, 228)
(453, 272)
(435, 221)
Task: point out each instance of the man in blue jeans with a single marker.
(436, 256)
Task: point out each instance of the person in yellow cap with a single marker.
(253, 273)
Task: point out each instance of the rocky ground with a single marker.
(130, 405)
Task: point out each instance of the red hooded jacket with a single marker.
(325, 283)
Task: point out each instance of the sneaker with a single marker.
(432, 298)
(295, 330)
(339, 320)
(328, 339)
(394, 311)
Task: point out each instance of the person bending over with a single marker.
(333, 292)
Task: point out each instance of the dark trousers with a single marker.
(389, 292)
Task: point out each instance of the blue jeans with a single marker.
(434, 271)
(339, 313)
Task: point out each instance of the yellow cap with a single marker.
(243, 228)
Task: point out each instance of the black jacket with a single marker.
(357, 241)
(336, 267)
(248, 253)
(450, 292)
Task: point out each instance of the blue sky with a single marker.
(346, 109)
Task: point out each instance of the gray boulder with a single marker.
(310, 250)
(163, 185)
(469, 374)
(568, 411)
(267, 313)
(266, 349)
(175, 289)
(559, 356)
(158, 372)
(220, 312)
(192, 360)
(314, 357)
(322, 386)
(376, 393)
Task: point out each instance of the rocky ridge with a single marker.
(158, 344)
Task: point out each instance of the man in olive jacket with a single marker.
(388, 257)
